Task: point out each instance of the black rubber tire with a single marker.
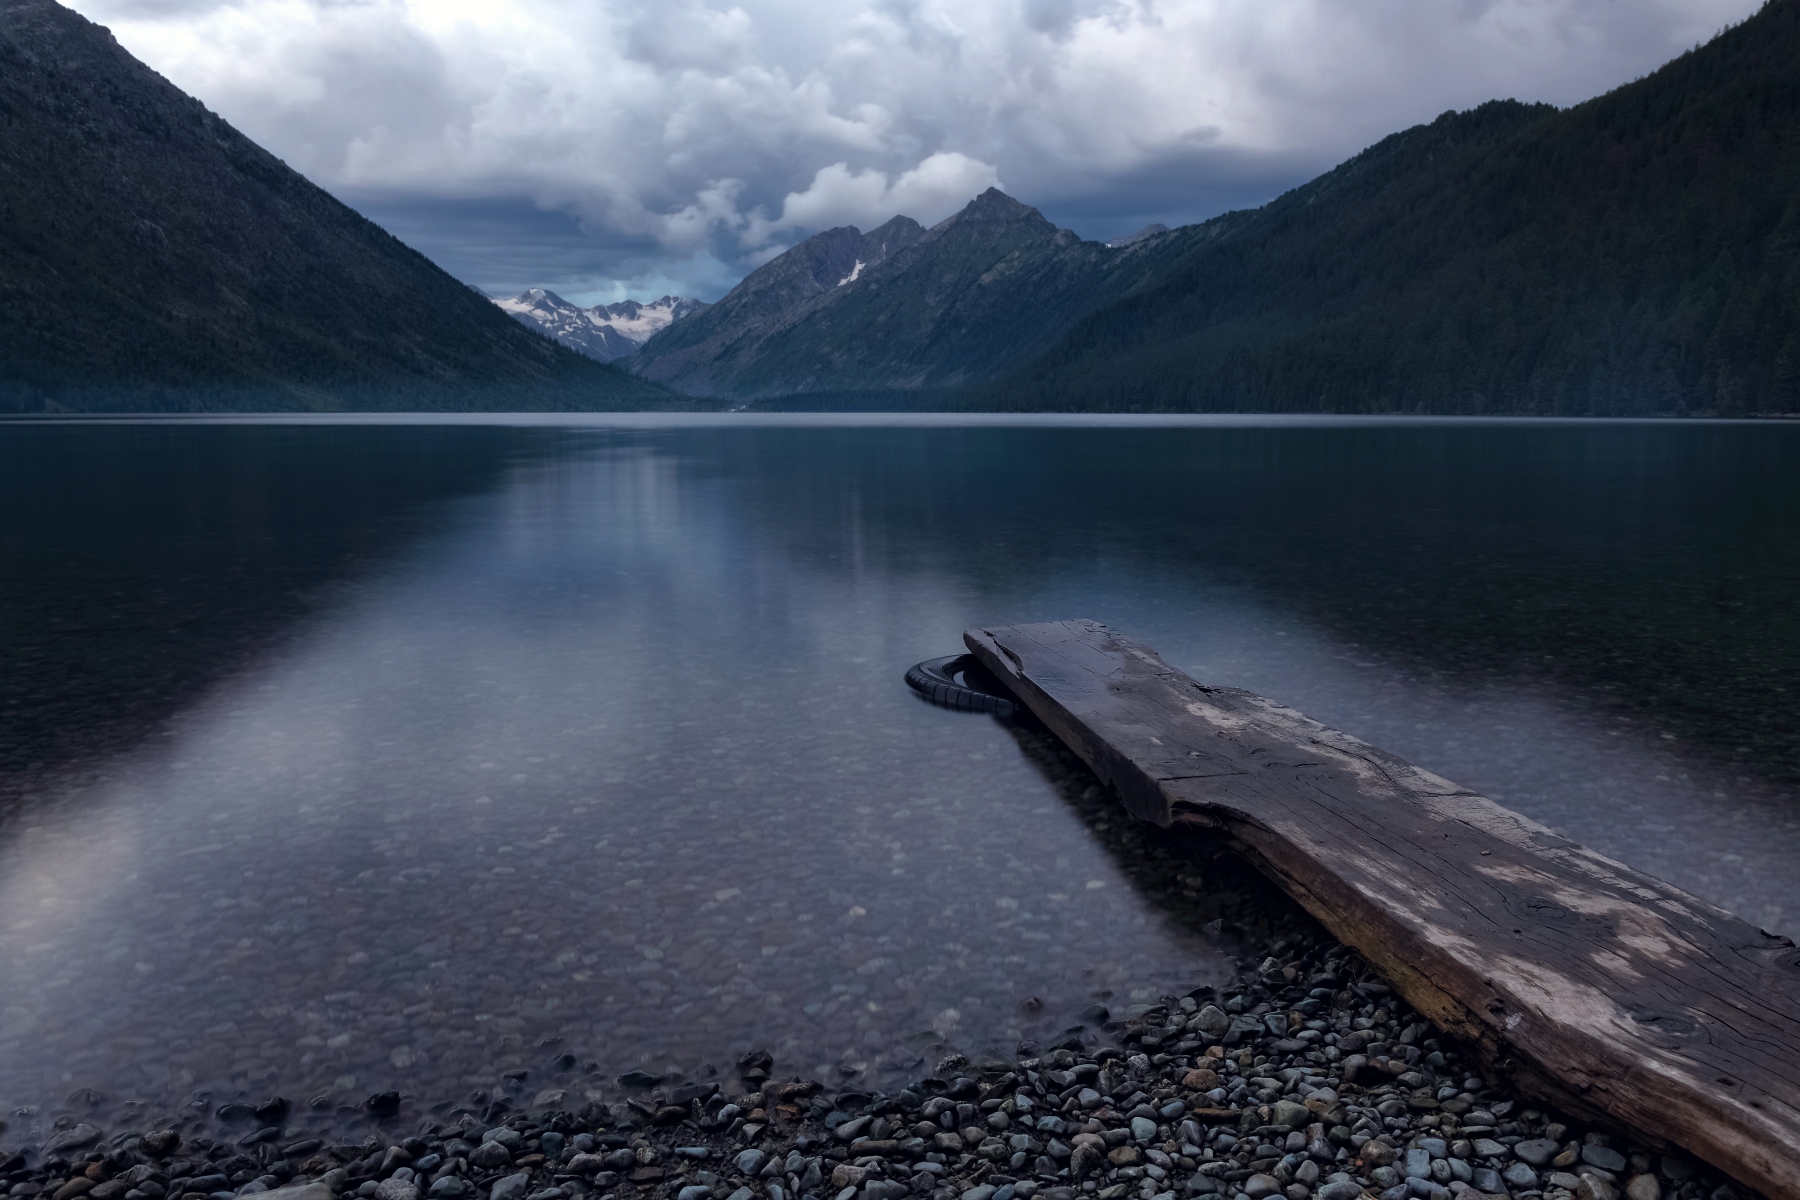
(960, 682)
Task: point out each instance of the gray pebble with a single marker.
(491, 1155)
(1520, 1176)
(1592, 1187)
(71, 1139)
(1290, 1114)
(1604, 1157)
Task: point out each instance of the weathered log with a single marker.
(1589, 984)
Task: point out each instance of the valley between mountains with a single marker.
(1637, 254)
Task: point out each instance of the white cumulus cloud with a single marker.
(934, 189)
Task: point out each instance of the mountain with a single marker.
(1635, 254)
(605, 332)
(1140, 235)
(900, 309)
(703, 355)
(153, 257)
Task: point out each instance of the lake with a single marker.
(500, 756)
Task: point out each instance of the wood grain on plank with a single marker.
(1591, 984)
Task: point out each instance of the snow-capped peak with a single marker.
(606, 331)
(537, 299)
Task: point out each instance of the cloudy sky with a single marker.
(626, 148)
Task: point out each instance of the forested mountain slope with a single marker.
(1633, 254)
(153, 257)
(899, 309)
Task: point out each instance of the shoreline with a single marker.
(1306, 1079)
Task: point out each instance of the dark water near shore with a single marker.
(340, 757)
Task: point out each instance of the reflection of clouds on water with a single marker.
(597, 774)
(617, 770)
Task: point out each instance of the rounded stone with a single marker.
(1289, 1114)
(1520, 1177)
(1604, 1157)
(491, 1155)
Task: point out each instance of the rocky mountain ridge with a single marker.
(605, 332)
(1631, 255)
(900, 309)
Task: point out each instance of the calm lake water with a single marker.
(340, 756)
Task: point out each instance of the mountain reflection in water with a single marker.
(407, 756)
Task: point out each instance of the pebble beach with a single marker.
(483, 880)
(1307, 1078)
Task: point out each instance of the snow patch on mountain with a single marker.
(854, 272)
(1148, 231)
(605, 331)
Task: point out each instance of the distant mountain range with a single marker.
(605, 332)
(1639, 253)
(900, 309)
(153, 257)
(1636, 254)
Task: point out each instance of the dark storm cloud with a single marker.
(638, 146)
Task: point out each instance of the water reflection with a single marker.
(604, 761)
(591, 774)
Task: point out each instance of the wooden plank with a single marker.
(1589, 984)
